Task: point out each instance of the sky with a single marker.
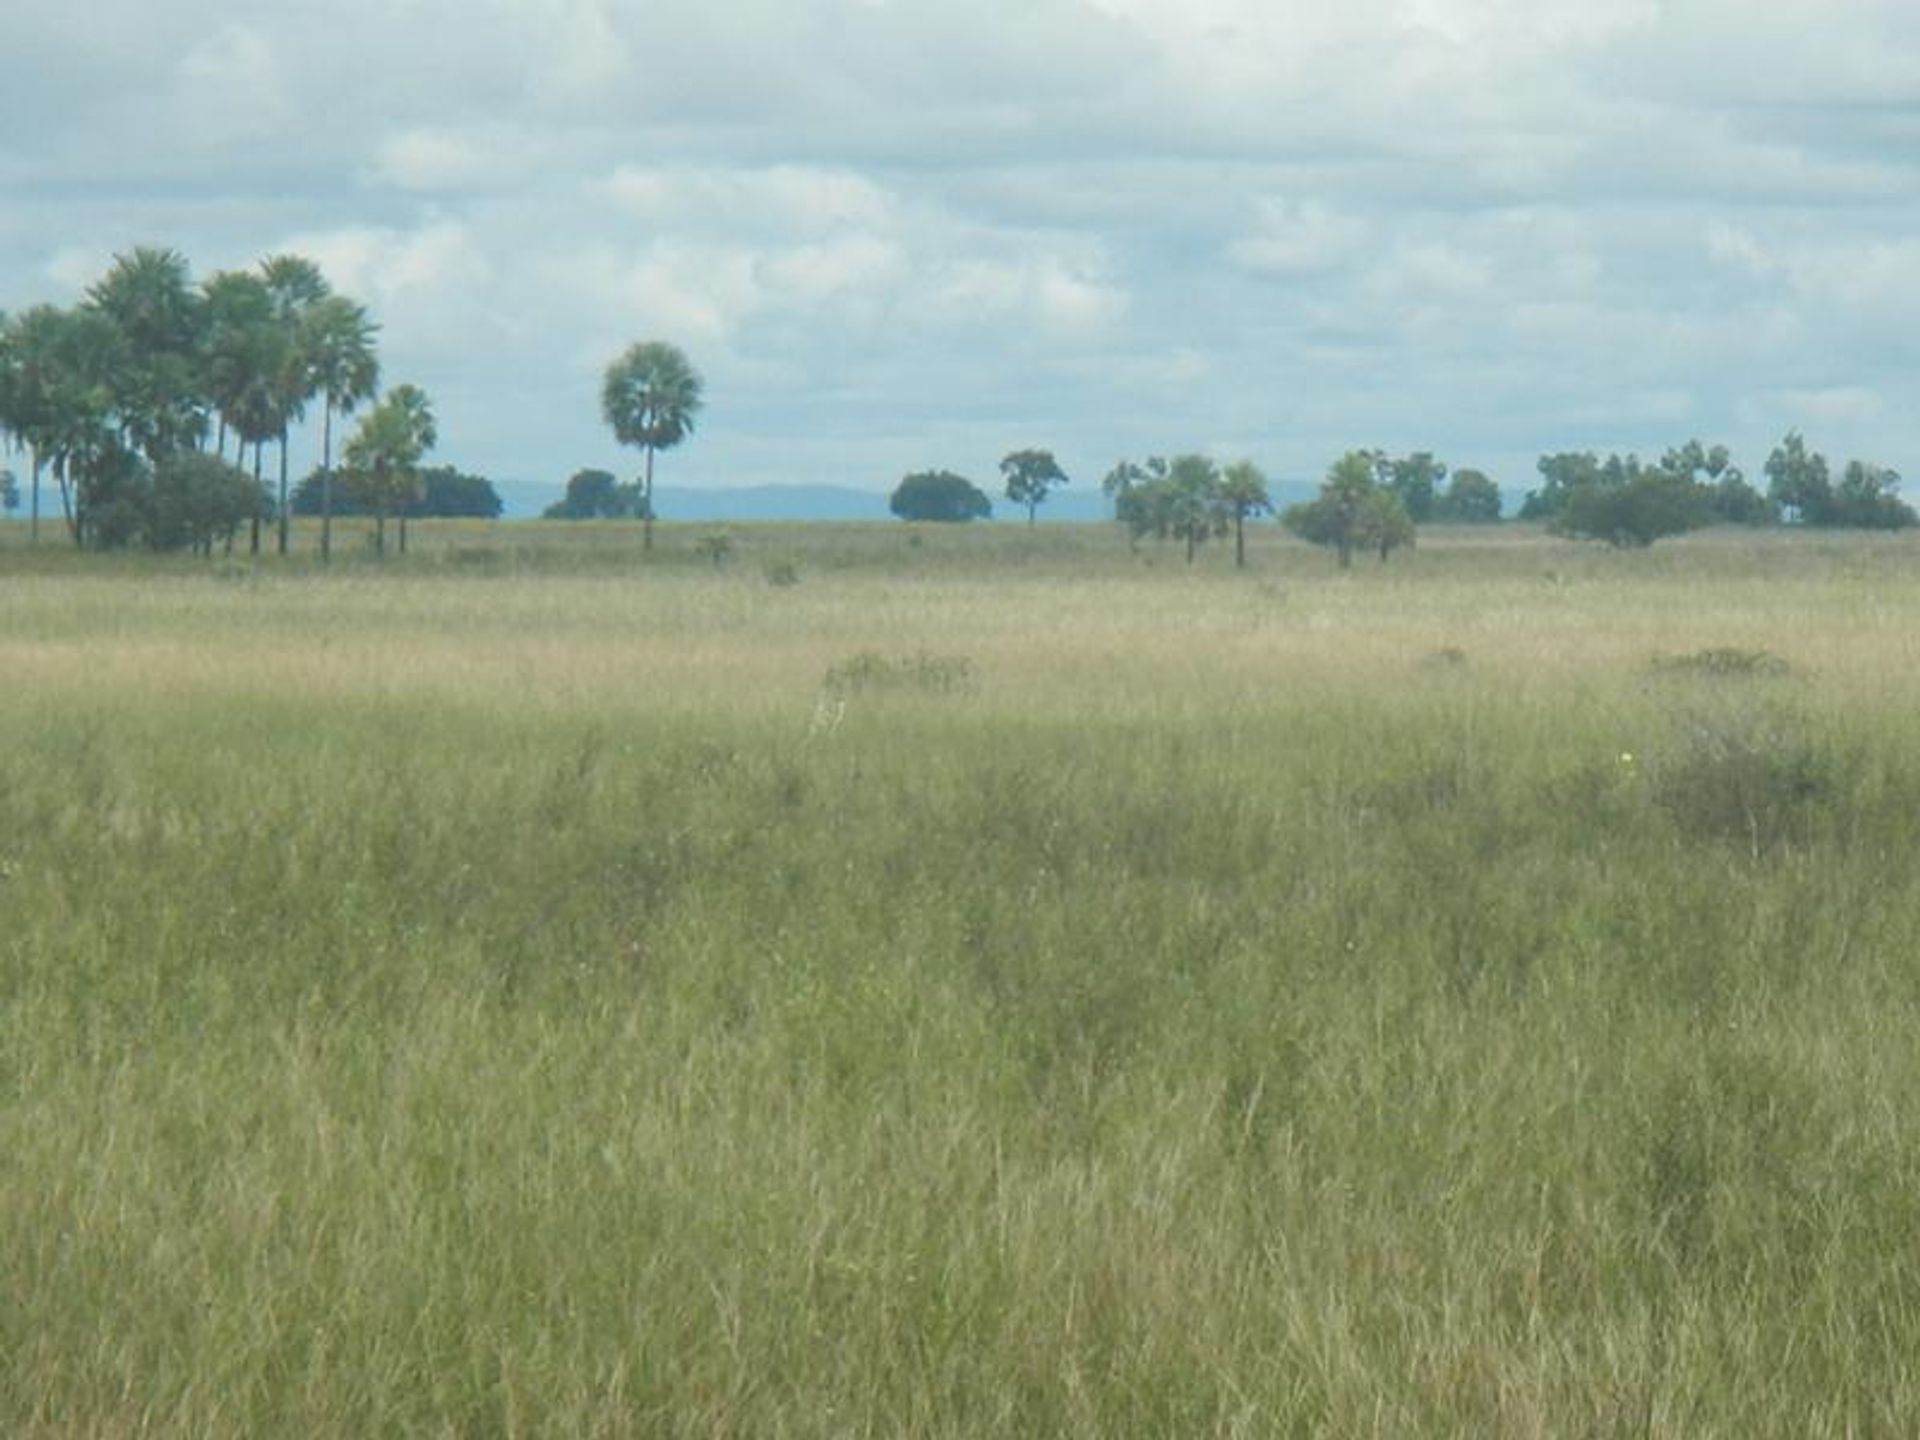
(897, 235)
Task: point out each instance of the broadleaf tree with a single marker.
(1030, 474)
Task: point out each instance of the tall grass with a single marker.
(989, 1000)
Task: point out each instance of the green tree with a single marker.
(650, 396)
(9, 490)
(1182, 504)
(28, 345)
(1415, 479)
(69, 364)
(1561, 476)
(1637, 507)
(337, 342)
(156, 401)
(1243, 491)
(1122, 485)
(1030, 474)
(239, 313)
(197, 500)
(596, 495)
(1798, 482)
(294, 287)
(1352, 510)
(384, 455)
(939, 496)
(246, 352)
(1470, 499)
(1867, 498)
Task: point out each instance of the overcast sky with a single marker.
(899, 234)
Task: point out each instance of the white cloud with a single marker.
(429, 159)
(1465, 221)
(231, 85)
(1299, 238)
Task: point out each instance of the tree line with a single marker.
(1626, 501)
(128, 399)
(1372, 501)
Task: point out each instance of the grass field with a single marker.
(961, 983)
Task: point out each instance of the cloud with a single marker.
(431, 159)
(1466, 224)
(1298, 238)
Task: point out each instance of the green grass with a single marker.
(973, 991)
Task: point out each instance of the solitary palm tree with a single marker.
(337, 341)
(650, 397)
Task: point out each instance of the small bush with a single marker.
(1759, 786)
(924, 673)
(782, 573)
(1722, 662)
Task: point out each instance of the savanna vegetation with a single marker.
(949, 980)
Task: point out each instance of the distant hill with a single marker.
(525, 499)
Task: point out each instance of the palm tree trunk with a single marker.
(1239, 541)
(326, 482)
(380, 531)
(253, 545)
(33, 510)
(646, 506)
(66, 502)
(283, 490)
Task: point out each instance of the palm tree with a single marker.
(29, 342)
(337, 343)
(294, 285)
(650, 397)
(65, 365)
(149, 296)
(384, 452)
(1243, 491)
(239, 307)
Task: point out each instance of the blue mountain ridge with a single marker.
(525, 499)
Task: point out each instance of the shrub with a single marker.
(927, 674)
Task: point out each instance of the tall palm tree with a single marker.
(294, 285)
(30, 339)
(149, 296)
(337, 342)
(385, 452)
(65, 367)
(650, 397)
(239, 306)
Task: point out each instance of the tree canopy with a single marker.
(940, 496)
(150, 367)
(383, 457)
(1030, 474)
(597, 495)
(650, 397)
(1354, 510)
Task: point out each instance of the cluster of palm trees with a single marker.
(150, 368)
(1188, 498)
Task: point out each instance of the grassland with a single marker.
(998, 984)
